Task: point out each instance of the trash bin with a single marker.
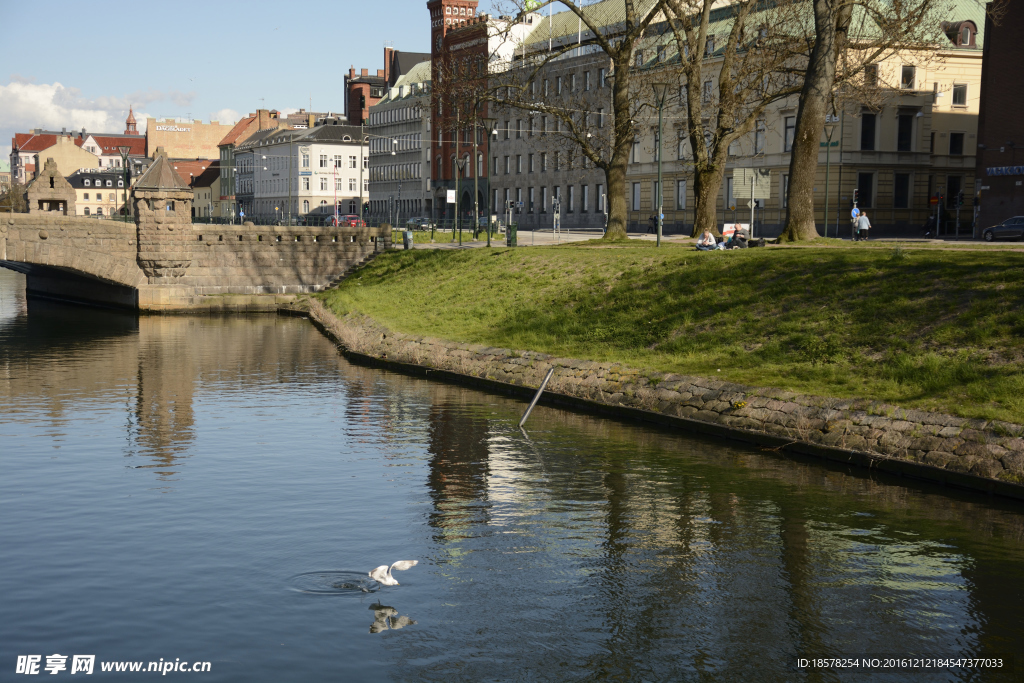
(511, 233)
(407, 241)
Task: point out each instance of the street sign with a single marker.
(854, 212)
(451, 196)
(741, 178)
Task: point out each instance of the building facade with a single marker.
(262, 119)
(1000, 167)
(99, 192)
(186, 138)
(399, 149)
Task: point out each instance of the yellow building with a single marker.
(68, 156)
(99, 192)
(185, 140)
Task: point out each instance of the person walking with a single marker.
(863, 225)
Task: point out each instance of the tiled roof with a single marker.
(236, 132)
(110, 143)
(30, 142)
(189, 169)
(207, 177)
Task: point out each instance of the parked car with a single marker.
(420, 223)
(1010, 229)
(346, 221)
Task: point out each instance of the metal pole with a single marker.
(839, 181)
(828, 159)
(476, 182)
(536, 397)
(661, 190)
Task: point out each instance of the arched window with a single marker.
(480, 165)
(965, 36)
(99, 210)
(323, 203)
(86, 183)
(305, 206)
(86, 211)
(466, 165)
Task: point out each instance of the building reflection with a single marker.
(458, 468)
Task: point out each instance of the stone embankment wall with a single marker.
(978, 454)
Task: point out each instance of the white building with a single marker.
(302, 173)
(399, 143)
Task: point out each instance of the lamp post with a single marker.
(660, 90)
(124, 149)
(830, 126)
(461, 164)
(490, 125)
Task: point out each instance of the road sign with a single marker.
(741, 178)
(854, 212)
(451, 196)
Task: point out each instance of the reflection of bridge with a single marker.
(162, 262)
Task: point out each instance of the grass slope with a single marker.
(937, 330)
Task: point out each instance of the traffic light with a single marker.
(960, 199)
(856, 196)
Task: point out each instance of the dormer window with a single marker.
(965, 36)
(86, 182)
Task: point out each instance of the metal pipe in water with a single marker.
(536, 396)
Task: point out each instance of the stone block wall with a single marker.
(980, 454)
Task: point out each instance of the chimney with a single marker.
(380, 73)
(351, 72)
(365, 72)
(388, 52)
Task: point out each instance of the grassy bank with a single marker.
(929, 329)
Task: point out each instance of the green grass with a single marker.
(931, 329)
(423, 236)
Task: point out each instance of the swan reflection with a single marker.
(385, 618)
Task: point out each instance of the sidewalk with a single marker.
(527, 238)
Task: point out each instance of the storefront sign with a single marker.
(173, 129)
(1005, 170)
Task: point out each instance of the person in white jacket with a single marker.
(863, 225)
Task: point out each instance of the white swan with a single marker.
(382, 574)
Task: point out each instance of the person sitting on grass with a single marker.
(737, 241)
(706, 241)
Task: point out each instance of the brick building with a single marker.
(1000, 157)
(365, 90)
(186, 139)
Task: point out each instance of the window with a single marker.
(529, 164)
(759, 134)
(785, 190)
(305, 161)
(600, 118)
(681, 147)
(351, 184)
(494, 165)
(558, 85)
(904, 131)
(865, 187)
(730, 193)
(571, 197)
(867, 131)
(508, 126)
(305, 206)
(519, 129)
(789, 126)
(572, 82)
(479, 165)
(529, 200)
(707, 92)
(584, 198)
(86, 211)
(557, 157)
(323, 183)
(661, 55)
(639, 58)
(543, 200)
(901, 191)
(85, 197)
(323, 161)
(352, 161)
(959, 95)
(601, 77)
(99, 210)
(680, 195)
(110, 197)
(871, 75)
(545, 87)
(636, 197)
(120, 183)
(543, 162)
(709, 47)
(599, 198)
(86, 182)
(956, 144)
(635, 156)
(508, 164)
(734, 148)
(907, 74)
(337, 161)
(305, 183)
(110, 184)
(586, 80)
(519, 163)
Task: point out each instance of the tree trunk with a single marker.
(831, 17)
(706, 185)
(616, 170)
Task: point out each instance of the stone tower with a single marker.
(163, 221)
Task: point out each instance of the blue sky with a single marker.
(218, 59)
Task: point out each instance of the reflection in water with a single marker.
(590, 550)
(385, 618)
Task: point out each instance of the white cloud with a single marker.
(226, 116)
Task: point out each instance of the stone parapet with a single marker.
(986, 455)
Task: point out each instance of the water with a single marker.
(215, 489)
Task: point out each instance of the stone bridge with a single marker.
(162, 262)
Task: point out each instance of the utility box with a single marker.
(407, 240)
(511, 234)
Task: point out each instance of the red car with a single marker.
(347, 221)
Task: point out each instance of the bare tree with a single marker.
(726, 82)
(604, 30)
(838, 54)
(13, 199)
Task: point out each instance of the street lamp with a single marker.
(461, 163)
(830, 126)
(490, 125)
(124, 149)
(660, 91)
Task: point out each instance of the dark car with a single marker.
(1010, 229)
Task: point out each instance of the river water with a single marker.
(214, 489)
